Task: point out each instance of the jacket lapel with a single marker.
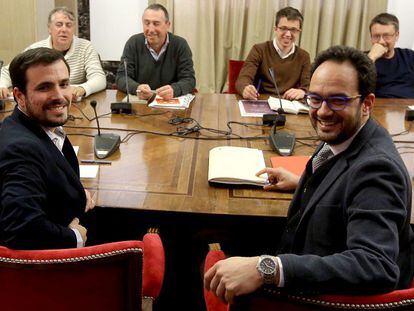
(339, 167)
(67, 165)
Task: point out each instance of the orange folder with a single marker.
(294, 164)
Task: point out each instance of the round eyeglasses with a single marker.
(335, 103)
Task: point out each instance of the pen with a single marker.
(258, 86)
(96, 162)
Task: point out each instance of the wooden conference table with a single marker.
(164, 173)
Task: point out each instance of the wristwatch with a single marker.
(267, 267)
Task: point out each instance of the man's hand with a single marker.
(250, 92)
(90, 203)
(280, 179)
(77, 93)
(232, 277)
(166, 92)
(377, 51)
(144, 91)
(294, 94)
(82, 230)
(4, 92)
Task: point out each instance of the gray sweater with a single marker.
(174, 67)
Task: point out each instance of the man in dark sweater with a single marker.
(395, 66)
(348, 225)
(290, 63)
(157, 61)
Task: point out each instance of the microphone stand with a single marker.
(272, 75)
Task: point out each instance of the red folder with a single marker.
(294, 164)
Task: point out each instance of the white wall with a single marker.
(112, 23)
(404, 10)
(42, 9)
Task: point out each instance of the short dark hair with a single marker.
(385, 19)
(159, 7)
(61, 9)
(367, 75)
(290, 13)
(22, 62)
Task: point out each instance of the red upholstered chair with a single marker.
(234, 70)
(112, 276)
(270, 299)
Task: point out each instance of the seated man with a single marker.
(289, 62)
(42, 197)
(86, 72)
(348, 225)
(157, 60)
(395, 70)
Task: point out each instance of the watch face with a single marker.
(267, 265)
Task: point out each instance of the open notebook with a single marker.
(236, 165)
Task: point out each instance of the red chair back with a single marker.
(106, 279)
(112, 276)
(234, 70)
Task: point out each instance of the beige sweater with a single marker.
(291, 72)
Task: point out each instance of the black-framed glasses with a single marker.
(335, 103)
(293, 31)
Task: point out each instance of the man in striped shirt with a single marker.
(86, 73)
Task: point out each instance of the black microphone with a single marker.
(104, 144)
(272, 75)
(122, 107)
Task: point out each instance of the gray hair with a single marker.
(62, 9)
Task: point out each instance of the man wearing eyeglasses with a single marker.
(348, 225)
(289, 62)
(395, 71)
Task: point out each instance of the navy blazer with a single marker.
(354, 232)
(41, 191)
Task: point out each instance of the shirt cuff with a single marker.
(79, 241)
(281, 275)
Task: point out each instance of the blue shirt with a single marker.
(395, 76)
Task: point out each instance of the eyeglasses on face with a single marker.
(335, 103)
(293, 30)
(385, 36)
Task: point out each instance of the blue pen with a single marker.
(258, 86)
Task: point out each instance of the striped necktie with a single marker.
(324, 154)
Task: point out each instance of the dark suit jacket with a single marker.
(40, 188)
(354, 232)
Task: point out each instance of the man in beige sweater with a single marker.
(290, 63)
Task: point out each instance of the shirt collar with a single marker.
(71, 48)
(336, 149)
(280, 52)
(57, 136)
(163, 49)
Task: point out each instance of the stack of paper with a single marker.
(254, 108)
(182, 102)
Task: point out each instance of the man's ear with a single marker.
(368, 104)
(20, 98)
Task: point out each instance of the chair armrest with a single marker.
(70, 254)
(213, 303)
(397, 298)
(154, 265)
